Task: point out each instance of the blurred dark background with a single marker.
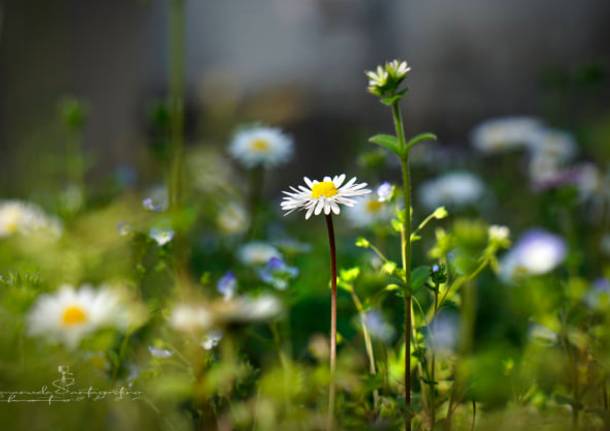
(294, 63)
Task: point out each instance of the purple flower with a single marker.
(227, 285)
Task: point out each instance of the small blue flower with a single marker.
(227, 285)
(157, 200)
(277, 273)
(161, 235)
(442, 333)
(378, 327)
(385, 192)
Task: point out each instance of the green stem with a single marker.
(333, 323)
(368, 344)
(257, 181)
(433, 369)
(406, 257)
(176, 100)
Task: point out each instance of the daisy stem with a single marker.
(176, 100)
(333, 323)
(406, 256)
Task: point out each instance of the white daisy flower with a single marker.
(24, 218)
(261, 146)
(323, 196)
(370, 211)
(257, 253)
(69, 315)
(507, 133)
(456, 189)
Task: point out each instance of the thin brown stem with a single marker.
(333, 323)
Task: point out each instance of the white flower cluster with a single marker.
(17, 217)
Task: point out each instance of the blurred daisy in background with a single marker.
(261, 146)
(372, 209)
(204, 317)
(550, 151)
(188, 317)
(69, 315)
(232, 219)
(257, 253)
(542, 333)
(504, 134)
(323, 196)
(25, 218)
(537, 252)
(454, 190)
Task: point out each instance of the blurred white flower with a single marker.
(539, 332)
(160, 353)
(507, 133)
(24, 218)
(257, 253)
(69, 315)
(190, 317)
(397, 69)
(537, 252)
(211, 340)
(204, 317)
(456, 189)
(232, 219)
(555, 145)
(161, 235)
(378, 77)
(261, 146)
(369, 211)
(323, 196)
(499, 234)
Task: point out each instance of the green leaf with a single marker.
(362, 242)
(388, 142)
(422, 137)
(392, 286)
(419, 276)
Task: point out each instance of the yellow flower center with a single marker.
(324, 189)
(73, 315)
(373, 206)
(260, 145)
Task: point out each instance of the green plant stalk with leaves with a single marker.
(385, 83)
